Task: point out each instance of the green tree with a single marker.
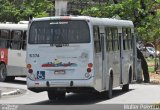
(141, 12)
(7, 11)
(38, 8)
(16, 10)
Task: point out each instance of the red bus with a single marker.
(12, 51)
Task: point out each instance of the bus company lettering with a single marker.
(52, 23)
(59, 45)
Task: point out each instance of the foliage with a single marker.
(16, 10)
(141, 12)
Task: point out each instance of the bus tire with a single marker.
(125, 87)
(56, 95)
(10, 78)
(110, 88)
(50, 95)
(3, 72)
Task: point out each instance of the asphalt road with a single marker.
(138, 94)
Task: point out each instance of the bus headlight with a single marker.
(89, 70)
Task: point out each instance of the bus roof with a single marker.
(94, 20)
(14, 26)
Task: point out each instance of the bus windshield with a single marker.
(59, 32)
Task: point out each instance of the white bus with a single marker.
(79, 54)
(12, 51)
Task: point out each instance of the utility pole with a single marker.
(61, 7)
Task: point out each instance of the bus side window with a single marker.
(109, 37)
(96, 35)
(16, 40)
(24, 40)
(112, 38)
(4, 38)
(48, 35)
(115, 39)
(129, 38)
(124, 33)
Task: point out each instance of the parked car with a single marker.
(149, 52)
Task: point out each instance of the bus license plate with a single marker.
(59, 72)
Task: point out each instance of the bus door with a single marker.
(134, 56)
(102, 42)
(99, 56)
(16, 50)
(121, 54)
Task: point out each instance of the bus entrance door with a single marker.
(121, 55)
(103, 59)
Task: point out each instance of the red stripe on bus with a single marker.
(4, 55)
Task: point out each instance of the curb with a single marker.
(14, 92)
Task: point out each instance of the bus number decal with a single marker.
(33, 55)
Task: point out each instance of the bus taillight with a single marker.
(90, 65)
(30, 71)
(29, 66)
(89, 70)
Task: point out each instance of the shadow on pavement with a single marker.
(80, 99)
(21, 81)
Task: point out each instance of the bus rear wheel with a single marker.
(3, 72)
(108, 94)
(110, 89)
(125, 87)
(10, 78)
(56, 95)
